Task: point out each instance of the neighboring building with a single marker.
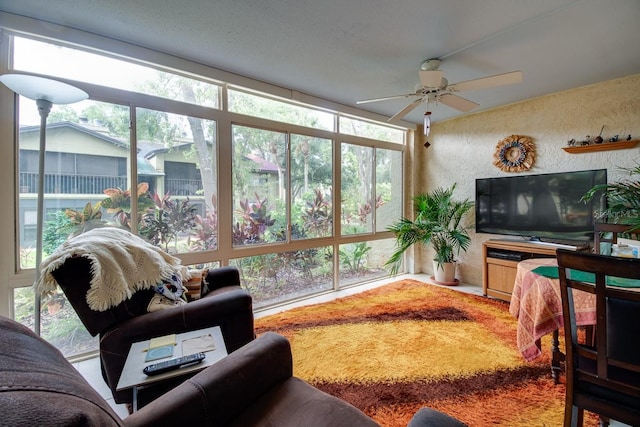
(83, 160)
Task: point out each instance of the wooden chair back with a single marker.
(603, 375)
(609, 233)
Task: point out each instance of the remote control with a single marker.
(170, 365)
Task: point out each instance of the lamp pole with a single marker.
(44, 107)
(45, 92)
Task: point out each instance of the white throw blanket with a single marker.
(121, 264)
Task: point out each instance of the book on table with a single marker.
(160, 347)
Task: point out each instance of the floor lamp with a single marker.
(45, 92)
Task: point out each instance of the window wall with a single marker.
(296, 196)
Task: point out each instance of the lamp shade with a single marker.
(36, 88)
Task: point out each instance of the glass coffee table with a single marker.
(133, 378)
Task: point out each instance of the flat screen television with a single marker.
(542, 207)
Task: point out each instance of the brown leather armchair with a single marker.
(222, 303)
(253, 386)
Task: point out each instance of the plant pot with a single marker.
(445, 274)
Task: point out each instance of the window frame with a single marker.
(27, 27)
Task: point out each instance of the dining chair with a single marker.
(603, 375)
(605, 235)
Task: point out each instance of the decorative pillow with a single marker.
(173, 292)
(170, 288)
(194, 284)
(159, 302)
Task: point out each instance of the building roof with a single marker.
(262, 164)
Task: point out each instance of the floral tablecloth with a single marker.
(536, 303)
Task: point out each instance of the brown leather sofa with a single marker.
(222, 303)
(253, 386)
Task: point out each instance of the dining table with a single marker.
(537, 305)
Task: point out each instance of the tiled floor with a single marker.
(90, 368)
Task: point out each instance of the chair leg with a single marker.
(557, 357)
(573, 416)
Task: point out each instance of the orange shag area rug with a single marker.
(392, 350)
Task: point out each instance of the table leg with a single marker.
(557, 357)
(134, 403)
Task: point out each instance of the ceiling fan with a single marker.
(436, 88)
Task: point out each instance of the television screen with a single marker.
(546, 206)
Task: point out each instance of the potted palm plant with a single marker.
(438, 222)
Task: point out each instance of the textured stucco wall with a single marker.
(462, 149)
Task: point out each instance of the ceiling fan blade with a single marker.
(487, 82)
(386, 98)
(431, 78)
(406, 110)
(457, 102)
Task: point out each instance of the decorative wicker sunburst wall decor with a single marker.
(515, 153)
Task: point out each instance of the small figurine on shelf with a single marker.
(586, 141)
(598, 139)
(629, 137)
(571, 142)
(614, 139)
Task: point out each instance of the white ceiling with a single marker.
(347, 50)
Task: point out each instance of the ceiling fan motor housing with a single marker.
(430, 65)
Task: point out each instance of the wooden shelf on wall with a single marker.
(605, 146)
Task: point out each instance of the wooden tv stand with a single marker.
(500, 259)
